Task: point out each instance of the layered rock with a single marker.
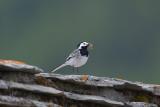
(23, 85)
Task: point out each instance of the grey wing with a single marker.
(75, 53)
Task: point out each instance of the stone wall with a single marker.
(23, 85)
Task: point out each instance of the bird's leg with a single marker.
(77, 69)
(73, 69)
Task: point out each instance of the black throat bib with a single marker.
(84, 51)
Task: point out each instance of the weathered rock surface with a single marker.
(11, 101)
(23, 85)
(18, 72)
(109, 88)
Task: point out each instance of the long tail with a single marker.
(61, 66)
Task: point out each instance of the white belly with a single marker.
(77, 62)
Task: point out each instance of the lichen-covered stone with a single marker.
(10, 101)
(18, 72)
(23, 85)
(111, 88)
(141, 104)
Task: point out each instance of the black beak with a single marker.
(90, 46)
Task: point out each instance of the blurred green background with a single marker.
(125, 34)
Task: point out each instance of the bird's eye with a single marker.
(84, 44)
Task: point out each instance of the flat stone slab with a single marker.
(11, 70)
(51, 93)
(8, 67)
(10, 101)
(104, 82)
(94, 99)
(27, 87)
(109, 88)
(141, 104)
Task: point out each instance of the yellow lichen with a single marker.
(2, 61)
(84, 77)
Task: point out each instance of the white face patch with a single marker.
(83, 44)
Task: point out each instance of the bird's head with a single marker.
(84, 45)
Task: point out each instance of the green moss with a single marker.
(142, 98)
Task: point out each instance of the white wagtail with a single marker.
(78, 57)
